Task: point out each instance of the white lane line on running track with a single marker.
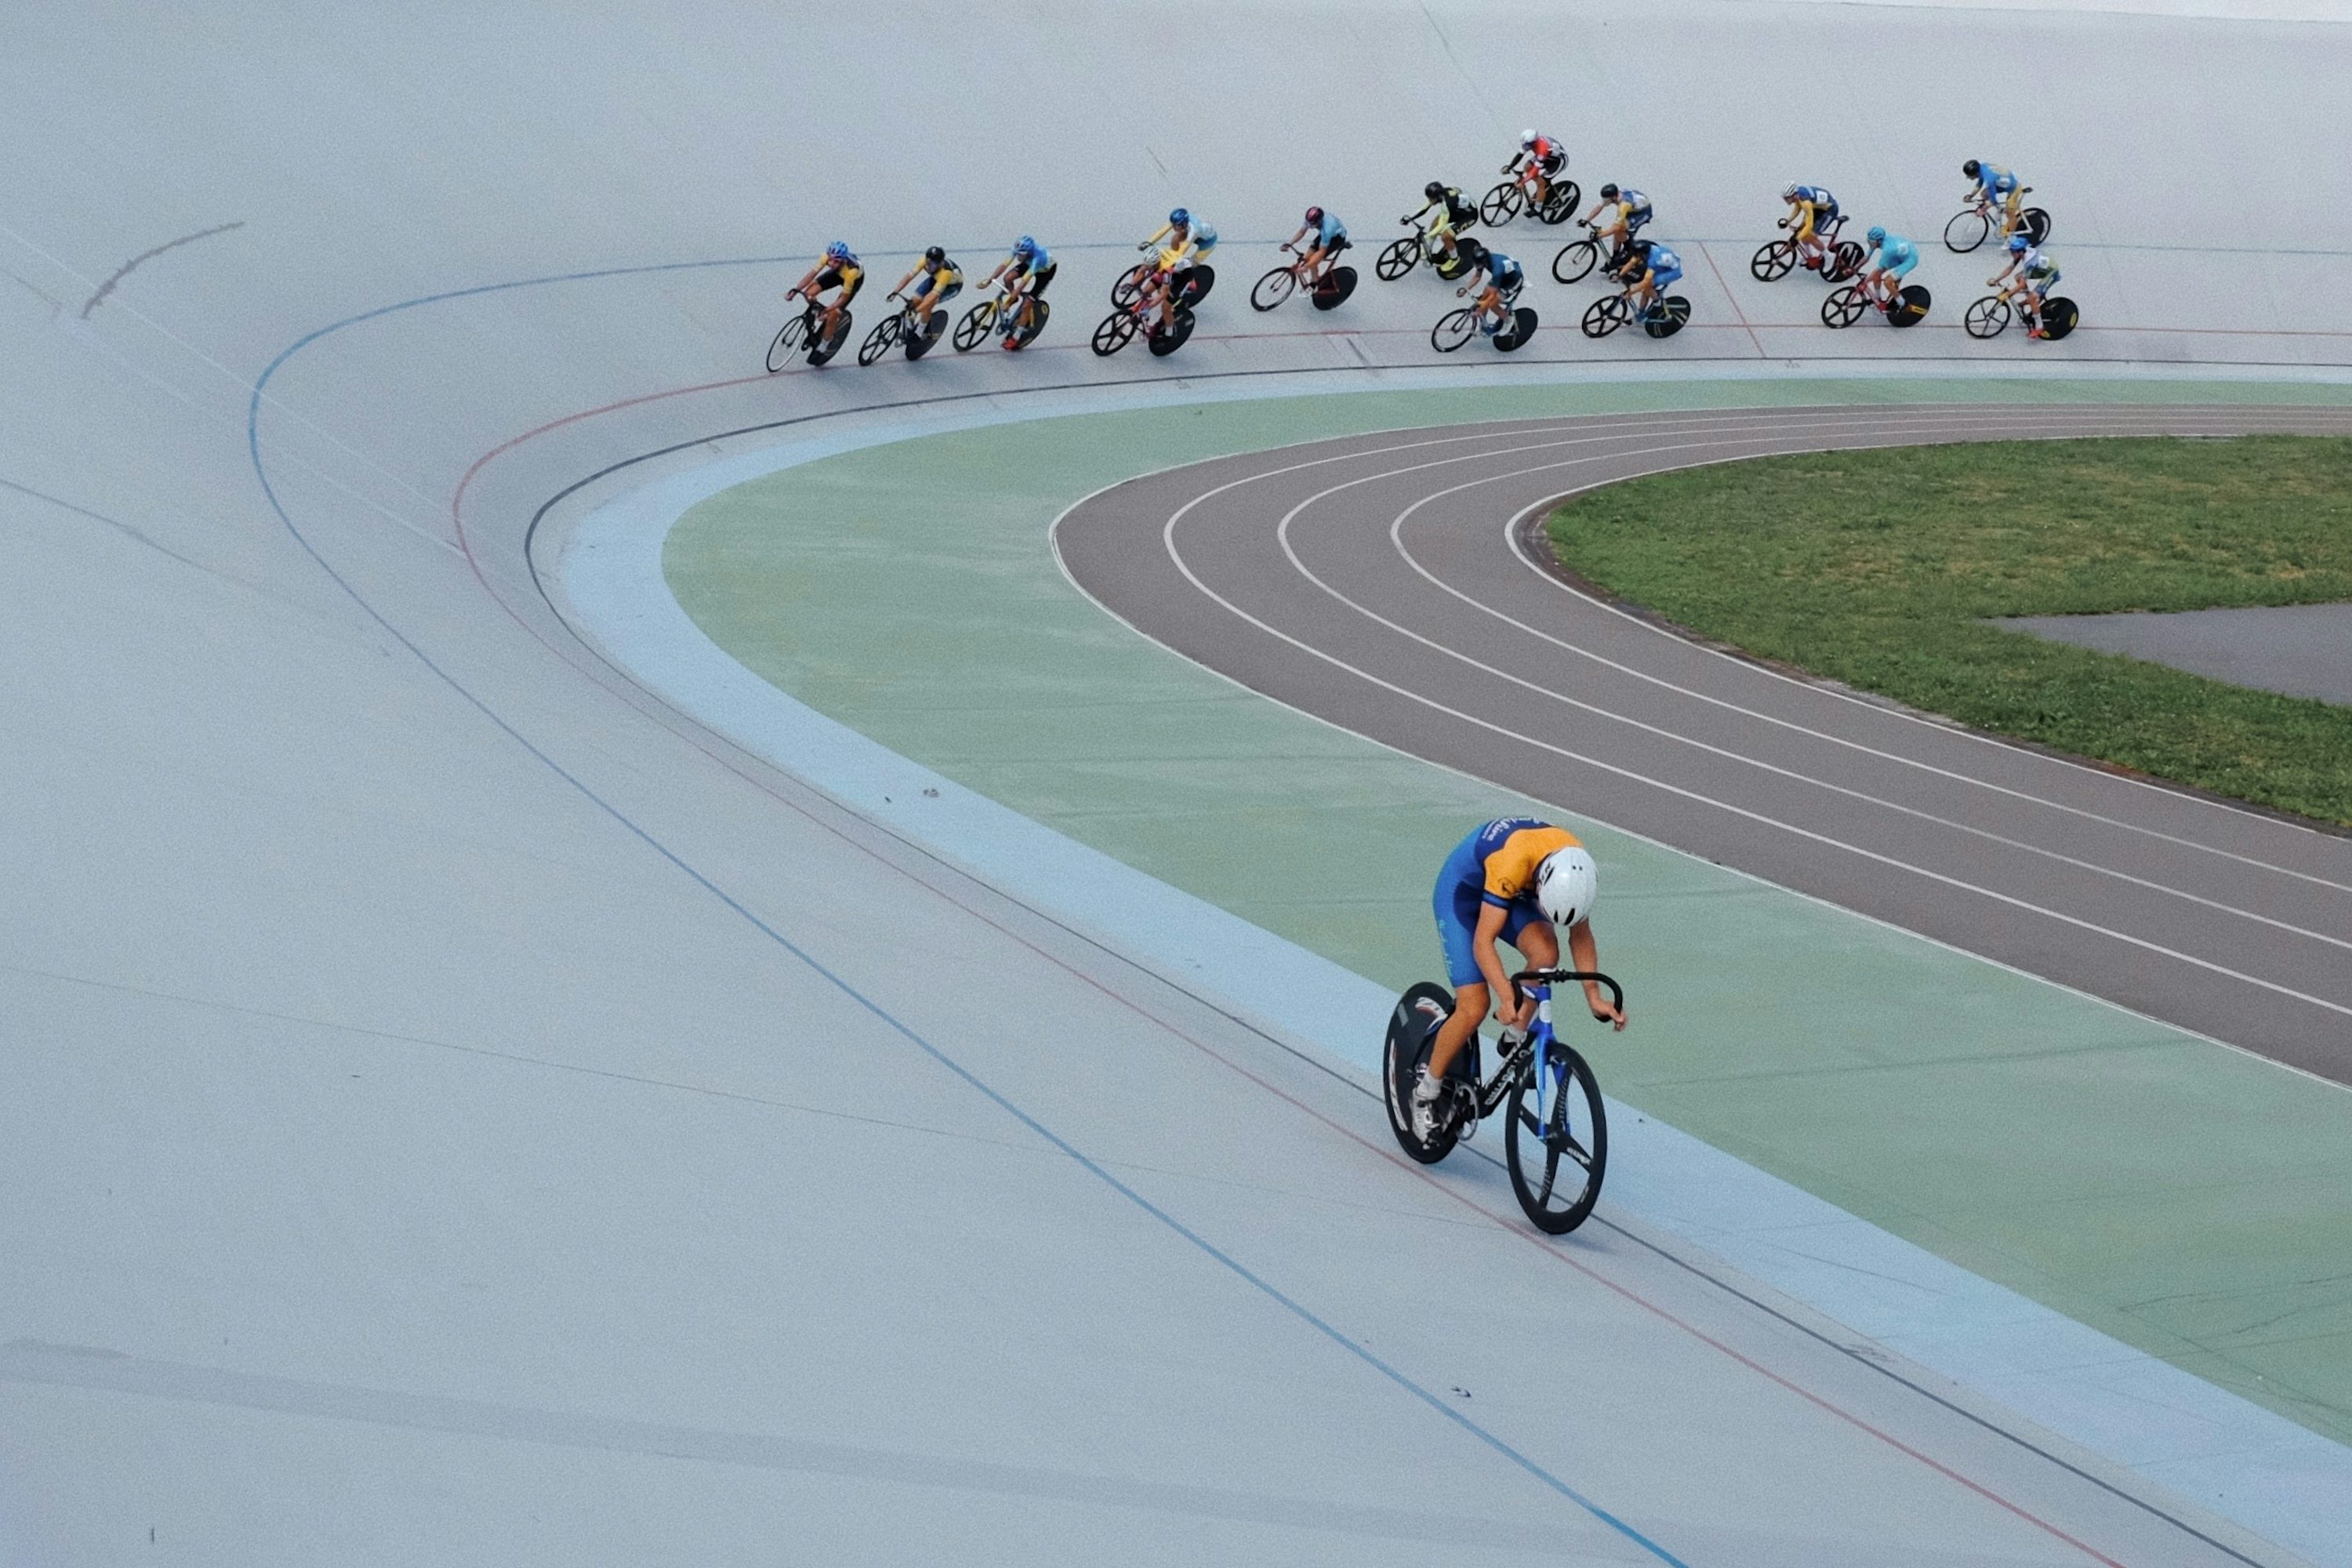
(1168, 543)
(1282, 534)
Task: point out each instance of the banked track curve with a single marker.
(1396, 585)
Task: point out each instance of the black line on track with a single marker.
(1315, 1059)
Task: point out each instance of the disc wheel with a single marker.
(821, 354)
(975, 325)
(1845, 260)
(1114, 333)
(1166, 341)
(1910, 306)
(2036, 224)
(1522, 328)
(1986, 317)
(2059, 317)
(1040, 312)
(1845, 307)
(1671, 315)
(1558, 1141)
(1576, 260)
(1193, 284)
(1333, 291)
(1560, 206)
(1451, 267)
(1772, 262)
(787, 344)
(1412, 1026)
(1397, 257)
(1604, 316)
(1453, 330)
(920, 342)
(1965, 231)
(880, 342)
(1273, 288)
(1501, 204)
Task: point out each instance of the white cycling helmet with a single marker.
(1566, 885)
(1527, 137)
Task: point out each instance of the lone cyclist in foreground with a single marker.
(1515, 880)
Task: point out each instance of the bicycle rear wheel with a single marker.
(1412, 1026)
(2036, 223)
(974, 327)
(1558, 1141)
(1671, 316)
(1910, 306)
(820, 353)
(1986, 317)
(1845, 260)
(1576, 260)
(2059, 317)
(1453, 330)
(1560, 206)
(1772, 262)
(1333, 291)
(1398, 257)
(1273, 288)
(1965, 231)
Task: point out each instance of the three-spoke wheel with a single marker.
(1557, 1142)
(972, 331)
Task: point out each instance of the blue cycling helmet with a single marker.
(2019, 244)
(1025, 246)
(837, 250)
(1181, 219)
(1876, 236)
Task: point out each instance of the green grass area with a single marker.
(1880, 568)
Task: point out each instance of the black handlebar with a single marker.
(1527, 977)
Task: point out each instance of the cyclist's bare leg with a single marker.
(1539, 945)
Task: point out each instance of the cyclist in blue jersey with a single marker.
(1891, 258)
(1811, 209)
(1185, 238)
(2035, 272)
(1024, 274)
(1498, 278)
(1326, 238)
(1994, 186)
(1618, 216)
(1516, 880)
(1649, 271)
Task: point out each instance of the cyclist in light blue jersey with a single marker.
(1996, 186)
(1326, 238)
(1891, 258)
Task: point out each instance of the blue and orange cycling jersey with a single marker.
(1495, 866)
(1994, 181)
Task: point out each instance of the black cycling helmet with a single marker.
(936, 255)
(1435, 189)
(1609, 192)
(1472, 250)
(1971, 168)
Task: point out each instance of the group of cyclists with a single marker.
(1887, 259)
(1159, 294)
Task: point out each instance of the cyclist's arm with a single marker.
(1483, 945)
(1584, 953)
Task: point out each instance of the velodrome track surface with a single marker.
(459, 1110)
(1401, 586)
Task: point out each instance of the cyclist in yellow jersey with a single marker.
(1515, 880)
(840, 270)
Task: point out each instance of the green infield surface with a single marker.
(2183, 1198)
(1880, 569)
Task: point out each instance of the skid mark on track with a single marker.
(98, 297)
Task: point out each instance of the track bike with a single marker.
(901, 328)
(1516, 194)
(1126, 324)
(1662, 319)
(1406, 252)
(1841, 259)
(1973, 224)
(1905, 307)
(1556, 1141)
(799, 335)
(1194, 282)
(1988, 317)
(1458, 327)
(1325, 291)
(1577, 258)
(990, 315)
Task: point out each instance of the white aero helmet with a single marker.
(1527, 137)
(1566, 885)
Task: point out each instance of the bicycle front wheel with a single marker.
(1129, 284)
(1558, 1141)
(1986, 317)
(1576, 260)
(1967, 231)
(787, 344)
(1845, 307)
(1115, 333)
(1502, 204)
(880, 342)
(1453, 330)
(1774, 261)
(1273, 288)
(1398, 257)
(974, 327)
(1604, 315)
